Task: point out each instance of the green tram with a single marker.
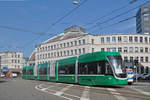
(28, 72)
(43, 71)
(97, 68)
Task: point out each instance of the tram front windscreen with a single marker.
(118, 66)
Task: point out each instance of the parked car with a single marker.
(146, 77)
(139, 76)
(14, 75)
(2, 75)
(142, 76)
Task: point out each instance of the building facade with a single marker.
(11, 60)
(74, 43)
(143, 19)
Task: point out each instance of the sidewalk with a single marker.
(141, 83)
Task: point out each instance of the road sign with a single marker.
(5, 69)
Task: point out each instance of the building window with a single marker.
(145, 9)
(71, 52)
(119, 39)
(131, 49)
(130, 39)
(125, 39)
(48, 55)
(45, 55)
(52, 47)
(61, 54)
(75, 42)
(72, 42)
(92, 41)
(136, 39)
(102, 49)
(146, 40)
(137, 58)
(146, 59)
(125, 59)
(102, 40)
(146, 18)
(79, 51)
(146, 49)
(45, 48)
(119, 49)
(141, 49)
(75, 51)
(142, 59)
(136, 49)
(131, 59)
(92, 49)
(146, 29)
(55, 54)
(108, 39)
(48, 47)
(64, 53)
(83, 50)
(141, 39)
(108, 49)
(113, 39)
(64, 44)
(67, 52)
(146, 15)
(79, 42)
(125, 49)
(113, 49)
(67, 44)
(83, 41)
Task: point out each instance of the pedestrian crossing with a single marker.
(79, 92)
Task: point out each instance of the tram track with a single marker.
(125, 92)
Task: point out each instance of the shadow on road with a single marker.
(117, 86)
(2, 81)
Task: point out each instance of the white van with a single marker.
(14, 75)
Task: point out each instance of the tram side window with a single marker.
(31, 72)
(43, 71)
(24, 72)
(28, 72)
(88, 68)
(67, 69)
(99, 67)
(108, 69)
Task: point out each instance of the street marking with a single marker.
(143, 92)
(46, 88)
(116, 94)
(40, 86)
(85, 94)
(110, 89)
(59, 93)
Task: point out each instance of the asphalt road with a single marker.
(19, 89)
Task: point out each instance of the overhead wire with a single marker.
(59, 20)
(119, 15)
(111, 12)
(121, 21)
(19, 29)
